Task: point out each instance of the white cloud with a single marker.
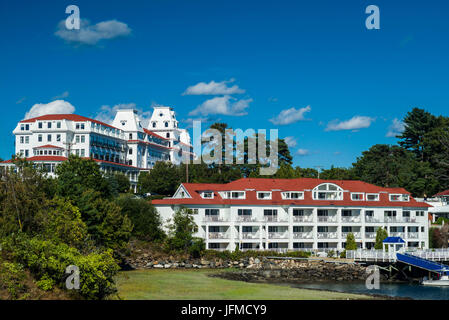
(222, 105)
(63, 95)
(355, 123)
(91, 34)
(289, 116)
(213, 88)
(395, 128)
(54, 107)
(290, 141)
(302, 152)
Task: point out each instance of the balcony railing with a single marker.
(327, 235)
(214, 219)
(350, 219)
(370, 235)
(397, 234)
(277, 235)
(399, 219)
(357, 235)
(302, 235)
(327, 219)
(245, 219)
(218, 235)
(373, 220)
(413, 235)
(273, 219)
(302, 218)
(250, 235)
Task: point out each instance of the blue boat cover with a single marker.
(393, 240)
(421, 263)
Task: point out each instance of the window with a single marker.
(327, 191)
(369, 213)
(21, 139)
(49, 125)
(372, 197)
(270, 212)
(39, 138)
(27, 139)
(395, 197)
(346, 213)
(154, 124)
(83, 139)
(244, 212)
(166, 124)
(82, 126)
(26, 153)
(390, 213)
(233, 195)
(357, 196)
(39, 125)
(58, 124)
(130, 136)
(22, 127)
(130, 151)
(298, 229)
(298, 212)
(406, 214)
(208, 195)
(58, 137)
(168, 135)
(82, 153)
(323, 213)
(405, 197)
(264, 195)
(49, 138)
(211, 212)
(294, 195)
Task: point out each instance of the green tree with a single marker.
(119, 183)
(144, 217)
(350, 242)
(162, 179)
(181, 230)
(338, 174)
(381, 235)
(77, 175)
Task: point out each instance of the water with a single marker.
(414, 291)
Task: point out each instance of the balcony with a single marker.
(303, 218)
(215, 219)
(357, 235)
(250, 235)
(370, 235)
(245, 219)
(327, 219)
(327, 235)
(273, 219)
(413, 235)
(397, 234)
(400, 220)
(302, 235)
(354, 219)
(373, 220)
(277, 235)
(218, 235)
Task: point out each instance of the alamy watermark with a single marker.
(373, 280)
(73, 280)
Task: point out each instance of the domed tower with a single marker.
(163, 122)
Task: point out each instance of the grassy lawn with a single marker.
(175, 284)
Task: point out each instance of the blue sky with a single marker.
(264, 58)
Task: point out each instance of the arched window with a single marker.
(166, 124)
(327, 191)
(154, 124)
(168, 135)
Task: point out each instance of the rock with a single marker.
(256, 261)
(149, 264)
(158, 266)
(167, 265)
(188, 265)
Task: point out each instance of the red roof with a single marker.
(442, 193)
(251, 185)
(154, 134)
(48, 146)
(70, 117)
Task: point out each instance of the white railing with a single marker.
(274, 219)
(397, 234)
(357, 235)
(380, 255)
(277, 235)
(373, 220)
(327, 235)
(302, 235)
(302, 218)
(327, 219)
(218, 235)
(370, 235)
(246, 219)
(413, 235)
(437, 255)
(399, 220)
(250, 235)
(350, 219)
(215, 219)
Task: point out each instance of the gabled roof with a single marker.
(442, 193)
(70, 117)
(252, 185)
(48, 146)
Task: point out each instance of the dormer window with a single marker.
(166, 124)
(207, 195)
(372, 197)
(233, 194)
(395, 197)
(328, 191)
(406, 197)
(357, 196)
(264, 195)
(293, 195)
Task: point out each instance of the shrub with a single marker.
(197, 247)
(11, 278)
(48, 261)
(181, 230)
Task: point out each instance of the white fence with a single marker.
(385, 256)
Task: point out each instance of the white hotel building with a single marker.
(123, 146)
(298, 214)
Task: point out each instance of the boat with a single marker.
(442, 280)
